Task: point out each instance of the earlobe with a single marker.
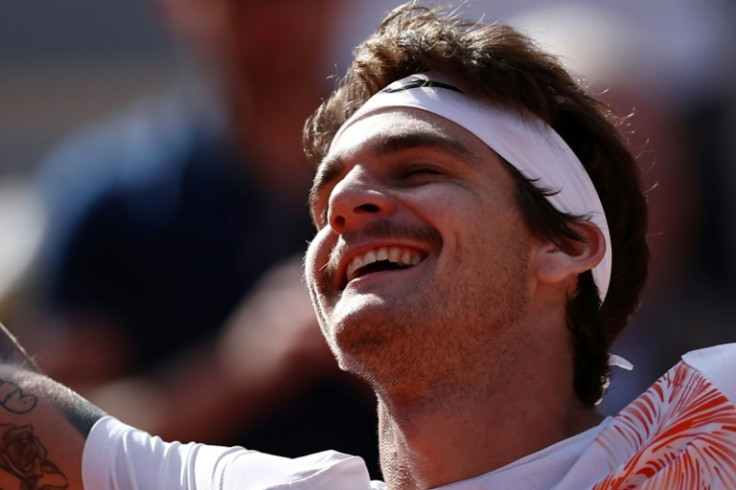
(557, 262)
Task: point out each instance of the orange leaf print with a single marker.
(680, 434)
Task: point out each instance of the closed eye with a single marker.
(420, 174)
(421, 170)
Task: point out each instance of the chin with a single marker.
(362, 366)
(365, 329)
(377, 354)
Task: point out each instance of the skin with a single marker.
(469, 347)
(43, 425)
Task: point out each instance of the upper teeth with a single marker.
(397, 255)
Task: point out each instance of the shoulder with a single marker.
(680, 432)
(716, 357)
(718, 365)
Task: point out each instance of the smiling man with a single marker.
(430, 285)
(480, 244)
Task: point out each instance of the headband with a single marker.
(526, 142)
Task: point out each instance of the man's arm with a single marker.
(43, 425)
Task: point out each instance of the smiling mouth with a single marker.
(382, 259)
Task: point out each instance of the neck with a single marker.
(434, 448)
(431, 437)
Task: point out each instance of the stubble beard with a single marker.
(436, 344)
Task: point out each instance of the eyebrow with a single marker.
(385, 144)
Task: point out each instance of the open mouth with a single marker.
(382, 259)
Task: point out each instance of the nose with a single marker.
(356, 200)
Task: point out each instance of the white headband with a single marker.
(527, 143)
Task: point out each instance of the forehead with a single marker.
(389, 127)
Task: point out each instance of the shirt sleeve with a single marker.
(119, 457)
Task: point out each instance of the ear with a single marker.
(556, 263)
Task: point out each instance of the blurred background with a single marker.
(114, 115)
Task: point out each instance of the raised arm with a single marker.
(43, 424)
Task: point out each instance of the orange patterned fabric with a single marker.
(680, 434)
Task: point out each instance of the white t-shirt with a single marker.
(679, 434)
(119, 457)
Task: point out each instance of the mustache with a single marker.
(382, 229)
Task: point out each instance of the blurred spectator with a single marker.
(167, 284)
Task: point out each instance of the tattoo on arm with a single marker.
(80, 413)
(23, 456)
(14, 400)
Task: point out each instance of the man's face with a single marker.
(421, 254)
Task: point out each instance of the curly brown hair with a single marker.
(505, 67)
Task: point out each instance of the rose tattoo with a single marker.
(23, 455)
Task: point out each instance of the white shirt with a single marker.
(679, 434)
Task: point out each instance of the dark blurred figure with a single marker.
(165, 265)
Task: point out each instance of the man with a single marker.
(480, 243)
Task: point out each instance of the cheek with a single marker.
(481, 227)
(453, 210)
(436, 205)
(315, 262)
(311, 266)
(312, 276)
